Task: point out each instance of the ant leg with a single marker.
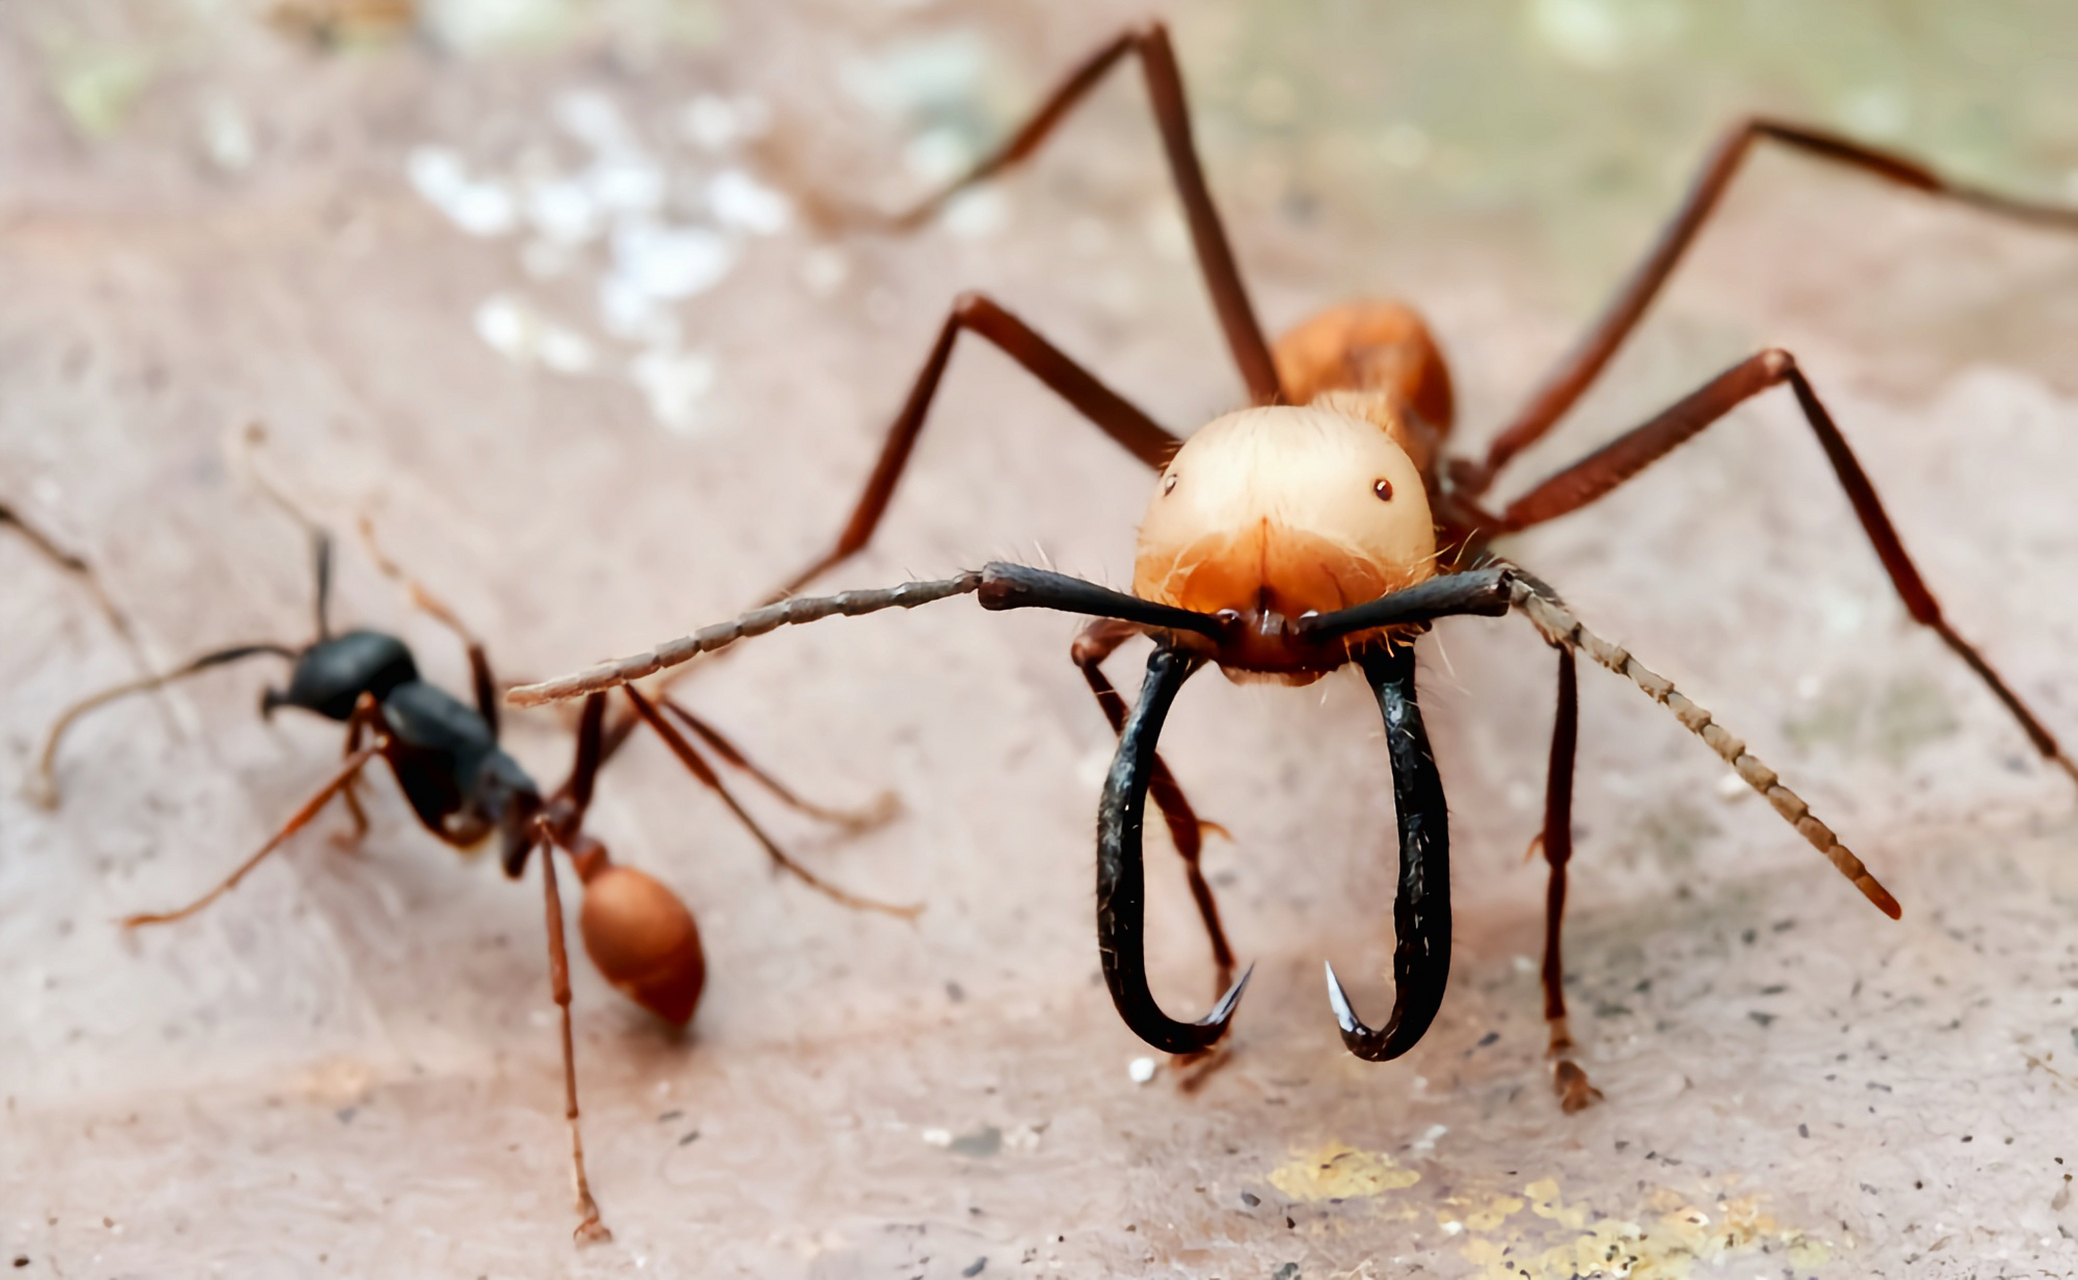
(1137, 433)
(700, 769)
(1568, 1080)
(242, 446)
(873, 815)
(1097, 642)
(366, 715)
(337, 784)
(1606, 468)
(46, 761)
(1172, 116)
(426, 602)
(76, 565)
(589, 1228)
(1577, 370)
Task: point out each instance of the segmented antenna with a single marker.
(757, 622)
(1560, 627)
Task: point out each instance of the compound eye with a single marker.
(1383, 488)
(1169, 484)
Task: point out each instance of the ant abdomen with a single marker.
(643, 939)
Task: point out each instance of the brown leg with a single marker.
(1567, 1078)
(849, 819)
(589, 1228)
(1607, 467)
(46, 760)
(1578, 368)
(1172, 117)
(78, 567)
(430, 604)
(1097, 642)
(1132, 429)
(700, 769)
(353, 765)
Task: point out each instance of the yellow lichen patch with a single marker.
(1337, 1171)
(1676, 1233)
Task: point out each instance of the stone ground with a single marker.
(539, 287)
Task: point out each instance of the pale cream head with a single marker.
(1285, 510)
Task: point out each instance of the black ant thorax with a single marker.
(457, 778)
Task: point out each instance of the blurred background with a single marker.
(557, 293)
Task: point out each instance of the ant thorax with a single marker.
(1272, 513)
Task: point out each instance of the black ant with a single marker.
(465, 789)
(1323, 526)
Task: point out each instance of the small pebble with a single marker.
(1140, 1070)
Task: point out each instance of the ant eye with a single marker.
(1169, 486)
(1384, 490)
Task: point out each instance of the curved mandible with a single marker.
(1421, 913)
(1122, 877)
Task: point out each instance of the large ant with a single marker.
(1322, 527)
(465, 789)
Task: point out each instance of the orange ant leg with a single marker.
(1172, 117)
(1603, 470)
(865, 819)
(426, 602)
(589, 1229)
(1568, 1080)
(335, 786)
(1137, 433)
(700, 769)
(1096, 643)
(1577, 370)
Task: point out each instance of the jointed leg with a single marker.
(46, 760)
(1133, 430)
(1579, 367)
(1598, 473)
(1172, 117)
(1097, 642)
(353, 765)
(77, 566)
(700, 769)
(242, 446)
(427, 602)
(1570, 1082)
(849, 819)
(589, 1228)
(365, 718)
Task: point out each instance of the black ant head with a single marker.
(332, 674)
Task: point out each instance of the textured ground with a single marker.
(493, 282)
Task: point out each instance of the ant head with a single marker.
(644, 941)
(1285, 511)
(333, 673)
